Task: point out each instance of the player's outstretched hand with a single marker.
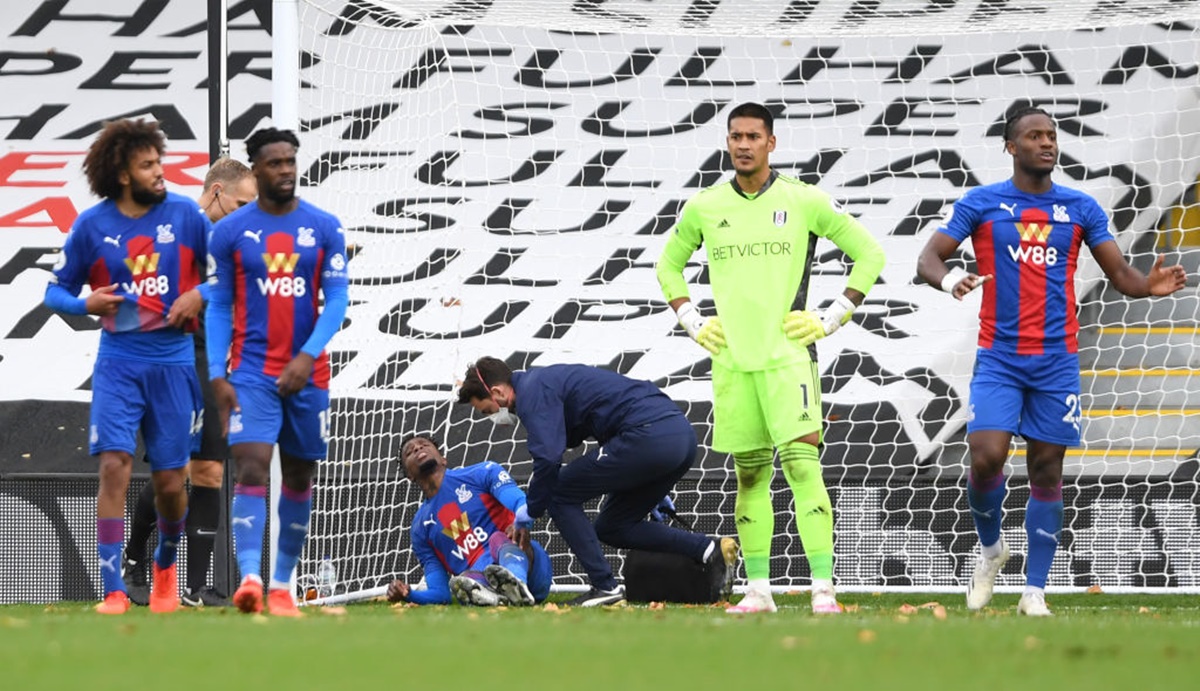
(185, 308)
(1165, 280)
(808, 326)
(295, 375)
(102, 302)
(398, 591)
(227, 402)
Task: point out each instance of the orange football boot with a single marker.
(281, 604)
(249, 596)
(164, 590)
(116, 602)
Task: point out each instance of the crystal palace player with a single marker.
(1026, 234)
(465, 527)
(228, 186)
(140, 249)
(270, 262)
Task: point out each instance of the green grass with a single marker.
(1134, 642)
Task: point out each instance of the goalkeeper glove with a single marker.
(806, 327)
(707, 332)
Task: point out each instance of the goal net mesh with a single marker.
(509, 171)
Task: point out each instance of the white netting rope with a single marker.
(510, 170)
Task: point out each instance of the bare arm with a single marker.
(1129, 281)
(931, 266)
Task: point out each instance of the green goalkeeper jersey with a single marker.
(759, 249)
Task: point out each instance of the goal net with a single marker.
(509, 171)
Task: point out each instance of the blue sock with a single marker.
(246, 520)
(986, 500)
(294, 511)
(110, 534)
(513, 558)
(1043, 525)
(169, 535)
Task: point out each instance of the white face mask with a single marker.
(503, 417)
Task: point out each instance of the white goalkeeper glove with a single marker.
(707, 332)
(807, 327)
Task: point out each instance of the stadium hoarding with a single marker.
(525, 218)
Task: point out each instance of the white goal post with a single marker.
(508, 171)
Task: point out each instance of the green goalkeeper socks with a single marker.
(814, 511)
(753, 514)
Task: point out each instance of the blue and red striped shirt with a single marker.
(272, 270)
(153, 260)
(1030, 244)
(451, 530)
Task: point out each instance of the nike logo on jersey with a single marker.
(115, 242)
(430, 521)
(1010, 208)
(247, 521)
(257, 237)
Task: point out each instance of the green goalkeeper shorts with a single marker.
(766, 408)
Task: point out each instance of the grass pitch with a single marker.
(890, 641)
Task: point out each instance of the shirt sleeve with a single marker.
(1095, 224)
(437, 581)
(680, 247)
(501, 486)
(334, 285)
(962, 218)
(218, 316)
(843, 230)
(69, 274)
(541, 411)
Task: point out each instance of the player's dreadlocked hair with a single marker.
(481, 375)
(110, 153)
(753, 110)
(1014, 116)
(268, 135)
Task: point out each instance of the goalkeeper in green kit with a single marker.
(759, 231)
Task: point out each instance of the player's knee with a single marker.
(799, 473)
(754, 477)
(207, 473)
(115, 467)
(169, 483)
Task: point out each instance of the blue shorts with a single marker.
(298, 423)
(540, 573)
(163, 401)
(1035, 396)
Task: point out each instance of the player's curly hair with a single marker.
(268, 135)
(481, 375)
(753, 110)
(1015, 115)
(110, 153)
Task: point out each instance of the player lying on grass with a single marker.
(463, 535)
